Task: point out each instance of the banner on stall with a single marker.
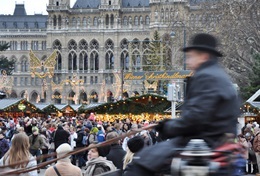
(158, 75)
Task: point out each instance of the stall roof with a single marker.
(61, 106)
(42, 106)
(76, 107)
(92, 106)
(5, 103)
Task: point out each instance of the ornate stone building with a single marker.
(94, 40)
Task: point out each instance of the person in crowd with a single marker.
(256, 147)
(11, 131)
(209, 112)
(125, 128)
(79, 144)
(97, 164)
(64, 167)
(100, 134)
(92, 137)
(46, 145)
(73, 136)
(28, 126)
(134, 144)
(60, 136)
(4, 144)
(251, 155)
(116, 153)
(36, 143)
(19, 151)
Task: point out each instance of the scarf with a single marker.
(91, 165)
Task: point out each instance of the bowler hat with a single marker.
(203, 42)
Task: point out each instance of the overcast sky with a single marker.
(31, 6)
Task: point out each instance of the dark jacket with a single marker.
(60, 137)
(211, 107)
(79, 139)
(116, 155)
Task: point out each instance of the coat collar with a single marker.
(211, 61)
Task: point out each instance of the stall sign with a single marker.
(21, 106)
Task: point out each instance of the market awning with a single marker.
(50, 108)
(65, 108)
(76, 107)
(17, 105)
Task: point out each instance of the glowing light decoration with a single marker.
(42, 69)
(6, 82)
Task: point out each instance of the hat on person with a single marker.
(203, 42)
(79, 127)
(34, 129)
(135, 144)
(63, 149)
(94, 130)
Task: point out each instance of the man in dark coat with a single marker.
(210, 110)
(79, 144)
(60, 136)
(116, 153)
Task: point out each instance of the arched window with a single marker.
(78, 22)
(83, 61)
(124, 60)
(54, 21)
(141, 20)
(95, 21)
(94, 44)
(72, 45)
(94, 61)
(162, 14)
(94, 97)
(58, 65)
(57, 97)
(109, 44)
(74, 22)
(56, 45)
(13, 94)
(83, 98)
(107, 20)
(72, 61)
(109, 60)
(59, 22)
(136, 44)
(71, 99)
(84, 22)
(125, 21)
(83, 45)
(112, 20)
(136, 60)
(146, 43)
(124, 44)
(34, 97)
(136, 21)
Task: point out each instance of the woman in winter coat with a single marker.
(19, 151)
(97, 164)
(134, 145)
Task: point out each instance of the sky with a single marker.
(31, 6)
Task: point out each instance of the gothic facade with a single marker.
(94, 40)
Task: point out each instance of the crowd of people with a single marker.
(25, 138)
(249, 138)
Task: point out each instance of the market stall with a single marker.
(146, 107)
(17, 108)
(65, 110)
